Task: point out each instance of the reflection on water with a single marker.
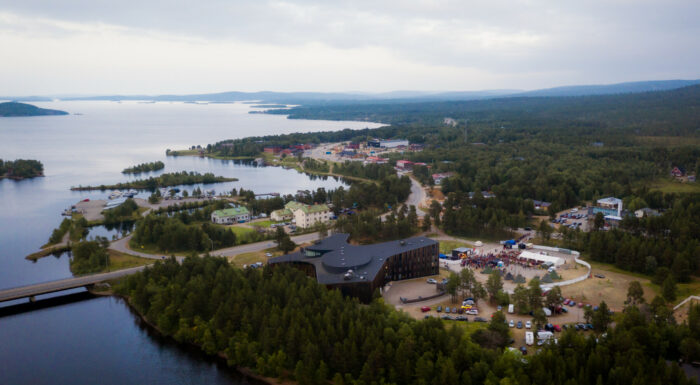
(99, 340)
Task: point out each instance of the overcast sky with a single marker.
(153, 47)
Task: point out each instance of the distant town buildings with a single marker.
(404, 165)
(387, 143)
(230, 216)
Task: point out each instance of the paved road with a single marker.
(121, 246)
(259, 246)
(417, 196)
(63, 284)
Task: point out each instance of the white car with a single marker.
(511, 324)
(528, 325)
(473, 312)
(431, 280)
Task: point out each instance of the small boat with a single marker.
(115, 194)
(130, 193)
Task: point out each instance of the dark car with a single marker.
(519, 325)
(446, 317)
(439, 309)
(589, 326)
(523, 350)
(563, 310)
(454, 310)
(599, 276)
(461, 318)
(427, 316)
(479, 319)
(460, 311)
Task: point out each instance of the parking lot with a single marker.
(575, 218)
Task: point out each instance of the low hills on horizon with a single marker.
(16, 109)
(308, 98)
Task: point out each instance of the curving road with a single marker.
(122, 246)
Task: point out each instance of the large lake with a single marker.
(99, 340)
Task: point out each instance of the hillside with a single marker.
(674, 112)
(13, 109)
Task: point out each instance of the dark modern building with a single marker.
(359, 270)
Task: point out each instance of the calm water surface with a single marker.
(99, 340)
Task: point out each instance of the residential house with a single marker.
(646, 212)
(404, 164)
(304, 215)
(437, 178)
(678, 172)
(230, 215)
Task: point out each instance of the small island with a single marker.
(144, 167)
(165, 180)
(21, 169)
(16, 109)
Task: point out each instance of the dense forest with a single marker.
(280, 323)
(163, 180)
(21, 168)
(144, 167)
(14, 109)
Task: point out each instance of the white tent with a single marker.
(541, 257)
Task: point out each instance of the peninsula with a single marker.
(15, 109)
(164, 180)
(144, 167)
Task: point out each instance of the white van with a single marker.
(544, 335)
(529, 338)
(511, 309)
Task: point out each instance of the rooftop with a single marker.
(334, 256)
(232, 211)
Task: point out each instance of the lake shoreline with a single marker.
(220, 357)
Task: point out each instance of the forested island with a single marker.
(16, 109)
(21, 169)
(144, 167)
(164, 180)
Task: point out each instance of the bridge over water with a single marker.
(30, 291)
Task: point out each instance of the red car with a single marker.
(557, 328)
(580, 304)
(425, 309)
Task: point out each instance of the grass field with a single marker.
(253, 257)
(672, 186)
(264, 224)
(446, 247)
(119, 261)
(241, 231)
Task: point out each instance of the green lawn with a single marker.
(253, 257)
(119, 261)
(264, 224)
(241, 231)
(672, 186)
(446, 247)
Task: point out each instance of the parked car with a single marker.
(580, 304)
(460, 311)
(557, 328)
(528, 325)
(427, 316)
(519, 325)
(461, 318)
(589, 326)
(572, 303)
(599, 276)
(432, 281)
(446, 317)
(473, 311)
(499, 308)
(563, 310)
(479, 319)
(447, 309)
(511, 324)
(425, 309)
(439, 309)
(454, 310)
(523, 350)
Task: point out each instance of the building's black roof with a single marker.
(338, 256)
